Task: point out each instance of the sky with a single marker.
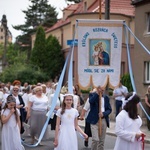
(13, 11)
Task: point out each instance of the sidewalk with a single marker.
(111, 130)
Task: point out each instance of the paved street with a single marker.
(48, 144)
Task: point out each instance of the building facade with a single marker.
(64, 29)
(3, 33)
(141, 58)
(5, 38)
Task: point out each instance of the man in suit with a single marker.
(97, 114)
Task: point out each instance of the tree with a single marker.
(47, 54)
(127, 82)
(1, 50)
(38, 13)
(55, 58)
(38, 54)
(24, 73)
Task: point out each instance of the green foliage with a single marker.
(86, 90)
(110, 91)
(47, 61)
(14, 55)
(23, 73)
(47, 54)
(18, 68)
(32, 76)
(127, 82)
(38, 54)
(55, 59)
(1, 50)
(38, 13)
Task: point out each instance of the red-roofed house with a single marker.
(89, 9)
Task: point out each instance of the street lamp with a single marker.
(4, 23)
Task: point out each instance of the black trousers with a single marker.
(52, 122)
(87, 129)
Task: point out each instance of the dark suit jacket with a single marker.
(93, 116)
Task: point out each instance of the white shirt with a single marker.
(1, 96)
(120, 90)
(75, 101)
(102, 104)
(17, 100)
(5, 95)
(40, 104)
(87, 107)
(51, 100)
(25, 98)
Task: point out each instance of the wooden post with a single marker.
(100, 10)
(100, 119)
(100, 95)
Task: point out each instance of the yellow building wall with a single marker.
(141, 55)
(66, 32)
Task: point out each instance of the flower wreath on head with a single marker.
(129, 99)
(68, 94)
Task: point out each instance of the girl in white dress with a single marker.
(65, 134)
(128, 124)
(11, 139)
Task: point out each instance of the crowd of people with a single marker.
(28, 105)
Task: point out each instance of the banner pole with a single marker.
(100, 119)
(100, 8)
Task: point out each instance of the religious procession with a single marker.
(24, 108)
(100, 99)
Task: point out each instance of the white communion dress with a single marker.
(11, 139)
(67, 138)
(126, 129)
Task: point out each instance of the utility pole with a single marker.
(107, 9)
(100, 9)
(4, 23)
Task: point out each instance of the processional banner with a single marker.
(99, 52)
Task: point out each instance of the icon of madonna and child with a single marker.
(99, 51)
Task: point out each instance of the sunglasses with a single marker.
(15, 90)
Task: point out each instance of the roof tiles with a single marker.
(123, 7)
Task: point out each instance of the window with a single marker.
(122, 71)
(1, 37)
(148, 22)
(147, 71)
(2, 30)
